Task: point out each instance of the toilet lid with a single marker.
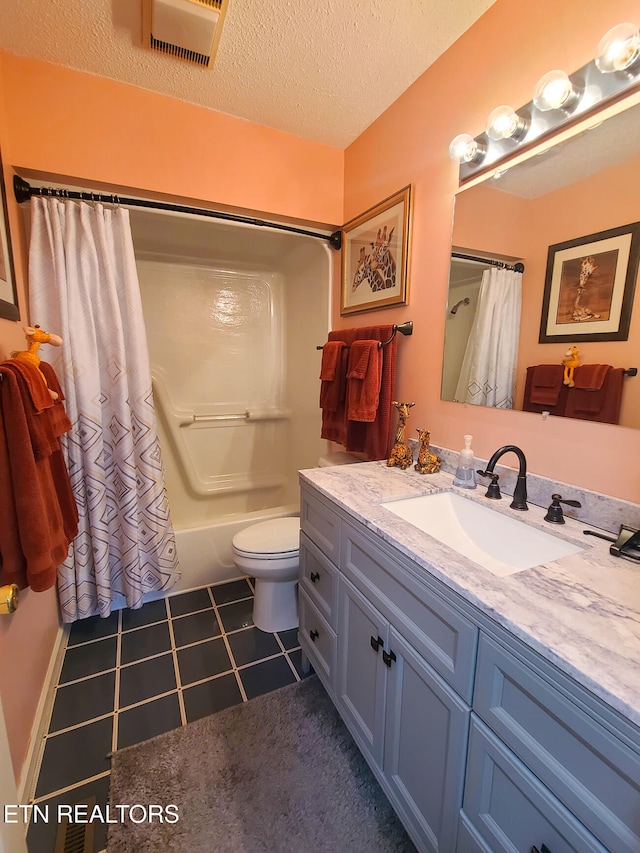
(277, 536)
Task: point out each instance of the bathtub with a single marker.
(204, 553)
(233, 317)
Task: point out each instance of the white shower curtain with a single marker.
(487, 376)
(83, 285)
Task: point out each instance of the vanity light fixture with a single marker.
(559, 99)
(465, 149)
(619, 49)
(555, 91)
(505, 123)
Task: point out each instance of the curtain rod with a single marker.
(23, 192)
(490, 261)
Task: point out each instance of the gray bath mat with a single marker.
(280, 773)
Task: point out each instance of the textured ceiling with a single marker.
(320, 69)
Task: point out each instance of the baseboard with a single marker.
(31, 766)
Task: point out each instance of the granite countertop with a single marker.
(582, 612)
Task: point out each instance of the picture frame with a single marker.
(589, 287)
(8, 296)
(375, 256)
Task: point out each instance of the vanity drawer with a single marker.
(320, 524)
(510, 809)
(319, 579)
(587, 767)
(318, 641)
(438, 631)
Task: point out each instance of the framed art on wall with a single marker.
(375, 256)
(8, 299)
(589, 287)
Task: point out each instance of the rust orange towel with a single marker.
(363, 381)
(38, 513)
(546, 384)
(602, 405)
(333, 375)
(591, 377)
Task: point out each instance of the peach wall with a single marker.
(27, 637)
(68, 123)
(60, 122)
(497, 61)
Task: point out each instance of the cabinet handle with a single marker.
(376, 644)
(388, 658)
(314, 635)
(314, 576)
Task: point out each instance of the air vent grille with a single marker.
(180, 52)
(187, 29)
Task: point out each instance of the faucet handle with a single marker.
(555, 514)
(493, 491)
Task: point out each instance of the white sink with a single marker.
(503, 544)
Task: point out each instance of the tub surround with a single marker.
(581, 613)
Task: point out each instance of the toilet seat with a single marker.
(276, 539)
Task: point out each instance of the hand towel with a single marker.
(38, 513)
(364, 373)
(546, 383)
(590, 377)
(333, 375)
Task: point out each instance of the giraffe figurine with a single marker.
(35, 337)
(401, 454)
(428, 463)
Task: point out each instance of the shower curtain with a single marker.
(488, 372)
(83, 285)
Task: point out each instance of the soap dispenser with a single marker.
(465, 472)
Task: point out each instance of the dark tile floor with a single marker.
(140, 673)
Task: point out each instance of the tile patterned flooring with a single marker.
(140, 673)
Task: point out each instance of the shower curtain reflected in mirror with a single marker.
(83, 285)
(487, 376)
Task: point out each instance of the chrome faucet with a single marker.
(520, 494)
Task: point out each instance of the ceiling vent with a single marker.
(188, 29)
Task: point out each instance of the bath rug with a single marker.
(280, 773)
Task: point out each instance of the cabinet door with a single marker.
(509, 807)
(362, 637)
(425, 745)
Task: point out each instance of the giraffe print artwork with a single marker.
(378, 268)
(375, 256)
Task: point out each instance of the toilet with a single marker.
(269, 552)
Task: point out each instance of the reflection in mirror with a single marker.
(577, 189)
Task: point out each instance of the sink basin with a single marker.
(500, 543)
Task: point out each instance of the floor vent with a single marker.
(76, 837)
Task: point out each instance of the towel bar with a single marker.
(404, 329)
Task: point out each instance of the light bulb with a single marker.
(465, 149)
(618, 49)
(555, 91)
(505, 123)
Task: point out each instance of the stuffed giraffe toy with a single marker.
(401, 454)
(35, 337)
(570, 362)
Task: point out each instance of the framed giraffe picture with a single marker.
(589, 287)
(375, 256)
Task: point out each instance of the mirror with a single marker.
(8, 297)
(577, 189)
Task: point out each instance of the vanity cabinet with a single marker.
(409, 724)
(481, 744)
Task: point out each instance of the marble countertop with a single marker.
(581, 612)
